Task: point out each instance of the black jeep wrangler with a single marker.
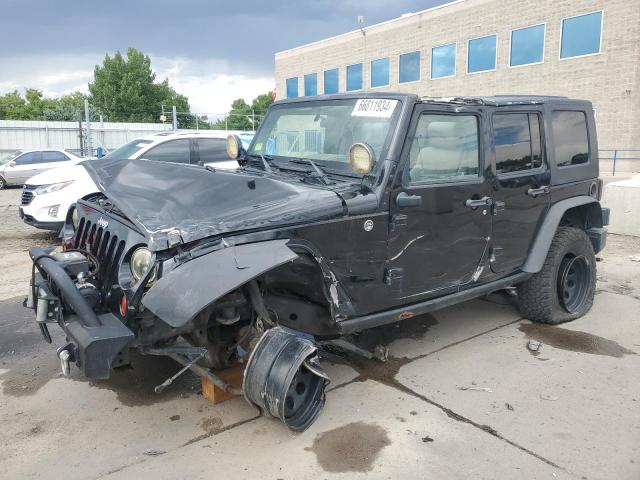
(349, 212)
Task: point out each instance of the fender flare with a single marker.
(544, 236)
(181, 294)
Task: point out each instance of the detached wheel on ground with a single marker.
(3, 183)
(563, 290)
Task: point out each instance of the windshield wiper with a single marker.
(265, 161)
(319, 172)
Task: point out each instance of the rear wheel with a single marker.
(3, 183)
(563, 290)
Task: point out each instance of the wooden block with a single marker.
(232, 376)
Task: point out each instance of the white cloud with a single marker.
(210, 85)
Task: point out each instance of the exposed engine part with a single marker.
(284, 379)
(228, 316)
(169, 381)
(257, 302)
(182, 354)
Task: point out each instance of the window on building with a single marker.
(445, 147)
(311, 85)
(331, 81)
(409, 68)
(443, 61)
(581, 35)
(481, 56)
(174, 151)
(380, 72)
(51, 156)
(517, 141)
(354, 77)
(527, 45)
(292, 87)
(570, 138)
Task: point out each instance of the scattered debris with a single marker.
(477, 389)
(173, 418)
(534, 345)
(509, 406)
(427, 439)
(549, 396)
(635, 258)
(153, 453)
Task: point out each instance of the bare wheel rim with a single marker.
(301, 392)
(574, 279)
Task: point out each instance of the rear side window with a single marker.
(517, 141)
(54, 157)
(174, 151)
(444, 148)
(570, 138)
(29, 158)
(212, 150)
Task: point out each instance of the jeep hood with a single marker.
(177, 203)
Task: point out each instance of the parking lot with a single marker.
(462, 396)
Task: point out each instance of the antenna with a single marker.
(361, 24)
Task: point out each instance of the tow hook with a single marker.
(66, 357)
(64, 362)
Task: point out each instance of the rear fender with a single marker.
(582, 211)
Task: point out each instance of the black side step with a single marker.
(390, 316)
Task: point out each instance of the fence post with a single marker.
(615, 158)
(88, 120)
(175, 119)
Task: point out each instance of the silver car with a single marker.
(23, 164)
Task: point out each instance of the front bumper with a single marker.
(96, 342)
(30, 220)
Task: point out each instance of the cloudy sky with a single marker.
(213, 51)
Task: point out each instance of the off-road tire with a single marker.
(3, 183)
(539, 296)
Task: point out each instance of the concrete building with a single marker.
(579, 48)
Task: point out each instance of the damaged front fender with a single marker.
(182, 293)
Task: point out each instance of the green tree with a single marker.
(242, 114)
(125, 90)
(12, 106)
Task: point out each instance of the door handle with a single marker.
(536, 192)
(403, 199)
(480, 202)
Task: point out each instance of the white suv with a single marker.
(48, 197)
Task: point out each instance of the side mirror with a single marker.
(361, 158)
(12, 163)
(234, 147)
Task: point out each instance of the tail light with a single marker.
(600, 187)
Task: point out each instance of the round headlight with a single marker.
(361, 158)
(75, 218)
(234, 146)
(140, 264)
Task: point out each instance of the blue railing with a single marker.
(618, 154)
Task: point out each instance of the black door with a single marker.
(521, 186)
(440, 213)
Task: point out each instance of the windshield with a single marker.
(324, 130)
(128, 149)
(7, 158)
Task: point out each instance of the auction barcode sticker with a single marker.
(374, 107)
